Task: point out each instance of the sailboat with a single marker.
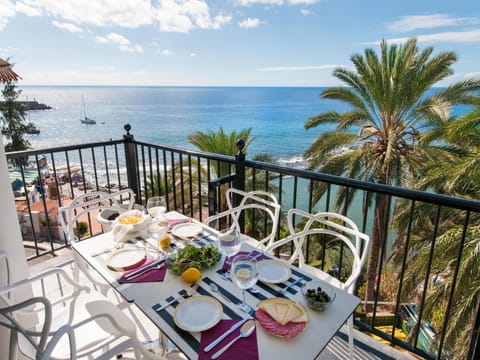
(85, 119)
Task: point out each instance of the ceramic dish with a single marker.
(198, 313)
(187, 231)
(273, 271)
(268, 310)
(126, 259)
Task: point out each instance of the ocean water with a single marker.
(168, 115)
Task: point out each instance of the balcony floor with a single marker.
(366, 348)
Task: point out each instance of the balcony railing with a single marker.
(192, 183)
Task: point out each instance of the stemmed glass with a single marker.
(156, 206)
(244, 274)
(229, 244)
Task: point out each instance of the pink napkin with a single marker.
(228, 260)
(150, 276)
(173, 222)
(246, 348)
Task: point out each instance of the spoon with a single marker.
(245, 331)
(214, 288)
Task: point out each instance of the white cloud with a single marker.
(305, 12)
(125, 13)
(112, 38)
(303, 2)
(414, 22)
(134, 48)
(185, 15)
(167, 52)
(249, 23)
(7, 10)
(263, 2)
(297, 68)
(472, 36)
(193, 54)
(27, 9)
(275, 2)
(122, 41)
(67, 26)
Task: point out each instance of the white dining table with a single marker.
(150, 296)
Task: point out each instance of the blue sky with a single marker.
(222, 43)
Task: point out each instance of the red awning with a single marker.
(6, 72)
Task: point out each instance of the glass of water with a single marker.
(244, 274)
(156, 206)
(157, 229)
(229, 243)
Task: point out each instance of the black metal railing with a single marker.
(193, 183)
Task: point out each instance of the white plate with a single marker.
(187, 231)
(273, 271)
(198, 313)
(126, 259)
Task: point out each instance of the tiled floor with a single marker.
(366, 348)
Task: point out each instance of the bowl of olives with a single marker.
(318, 295)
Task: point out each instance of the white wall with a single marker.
(10, 237)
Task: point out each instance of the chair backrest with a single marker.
(255, 206)
(33, 344)
(335, 227)
(82, 205)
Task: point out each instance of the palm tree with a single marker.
(221, 143)
(456, 177)
(390, 106)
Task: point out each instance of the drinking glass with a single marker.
(157, 230)
(229, 243)
(244, 274)
(156, 206)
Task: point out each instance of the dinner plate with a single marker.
(273, 271)
(126, 259)
(290, 329)
(198, 313)
(187, 231)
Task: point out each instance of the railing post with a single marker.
(240, 179)
(131, 163)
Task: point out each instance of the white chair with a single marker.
(86, 207)
(254, 205)
(82, 207)
(65, 323)
(331, 227)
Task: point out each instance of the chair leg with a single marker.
(350, 336)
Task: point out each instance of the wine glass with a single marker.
(229, 243)
(244, 274)
(156, 206)
(157, 229)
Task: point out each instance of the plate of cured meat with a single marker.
(282, 317)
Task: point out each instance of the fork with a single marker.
(178, 296)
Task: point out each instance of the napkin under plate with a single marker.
(246, 348)
(152, 275)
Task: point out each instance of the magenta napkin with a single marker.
(228, 260)
(173, 222)
(150, 276)
(242, 349)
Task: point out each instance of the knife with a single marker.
(224, 335)
(143, 269)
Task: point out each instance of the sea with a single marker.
(168, 115)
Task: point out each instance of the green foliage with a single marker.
(392, 127)
(13, 124)
(82, 228)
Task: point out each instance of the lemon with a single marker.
(191, 275)
(164, 242)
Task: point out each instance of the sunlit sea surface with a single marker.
(168, 115)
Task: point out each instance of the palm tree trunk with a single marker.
(377, 242)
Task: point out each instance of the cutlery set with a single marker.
(156, 264)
